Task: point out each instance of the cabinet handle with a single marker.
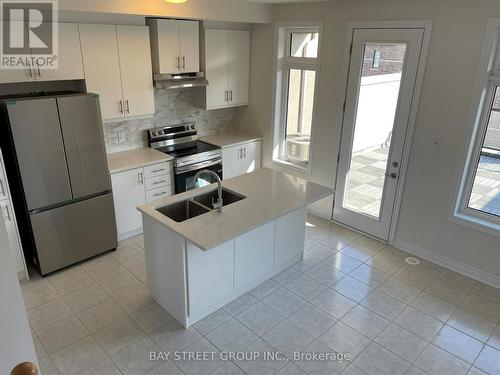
(8, 212)
(230, 95)
(183, 62)
(127, 106)
(158, 170)
(121, 107)
(240, 153)
(3, 189)
(226, 95)
(140, 176)
(178, 63)
(38, 67)
(245, 152)
(159, 182)
(30, 73)
(158, 194)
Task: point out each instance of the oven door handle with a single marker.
(197, 166)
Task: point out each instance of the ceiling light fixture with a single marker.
(176, 1)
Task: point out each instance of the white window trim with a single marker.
(488, 77)
(280, 82)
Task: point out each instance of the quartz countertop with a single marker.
(230, 138)
(269, 195)
(136, 158)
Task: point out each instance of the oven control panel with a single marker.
(172, 131)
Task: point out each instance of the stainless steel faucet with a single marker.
(218, 204)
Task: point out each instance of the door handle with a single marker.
(140, 175)
(392, 175)
(127, 106)
(183, 62)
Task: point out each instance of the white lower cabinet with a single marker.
(289, 238)
(253, 255)
(211, 276)
(135, 187)
(13, 234)
(9, 218)
(219, 275)
(241, 159)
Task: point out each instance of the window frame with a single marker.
(487, 81)
(283, 64)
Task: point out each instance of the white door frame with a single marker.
(426, 25)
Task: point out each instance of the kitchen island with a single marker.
(198, 259)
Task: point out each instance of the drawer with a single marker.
(158, 193)
(157, 169)
(157, 181)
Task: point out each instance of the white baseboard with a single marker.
(449, 263)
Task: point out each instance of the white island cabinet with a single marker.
(196, 266)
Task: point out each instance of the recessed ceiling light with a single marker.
(176, 1)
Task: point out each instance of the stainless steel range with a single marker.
(190, 154)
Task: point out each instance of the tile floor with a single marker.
(349, 294)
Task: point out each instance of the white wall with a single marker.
(214, 10)
(457, 37)
(377, 94)
(16, 343)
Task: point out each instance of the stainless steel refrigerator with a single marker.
(56, 162)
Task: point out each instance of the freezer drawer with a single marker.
(71, 233)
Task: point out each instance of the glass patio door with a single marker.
(381, 82)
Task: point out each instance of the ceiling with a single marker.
(284, 1)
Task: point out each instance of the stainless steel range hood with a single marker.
(180, 80)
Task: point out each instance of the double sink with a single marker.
(198, 205)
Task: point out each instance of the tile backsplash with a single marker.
(172, 107)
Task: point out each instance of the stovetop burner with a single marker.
(181, 142)
(197, 148)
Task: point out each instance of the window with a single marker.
(297, 75)
(479, 196)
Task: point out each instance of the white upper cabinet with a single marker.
(69, 56)
(69, 60)
(102, 67)
(175, 45)
(216, 57)
(135, 66)
(189, 45)
(239, 67)
(227, 67)
(118, 67)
